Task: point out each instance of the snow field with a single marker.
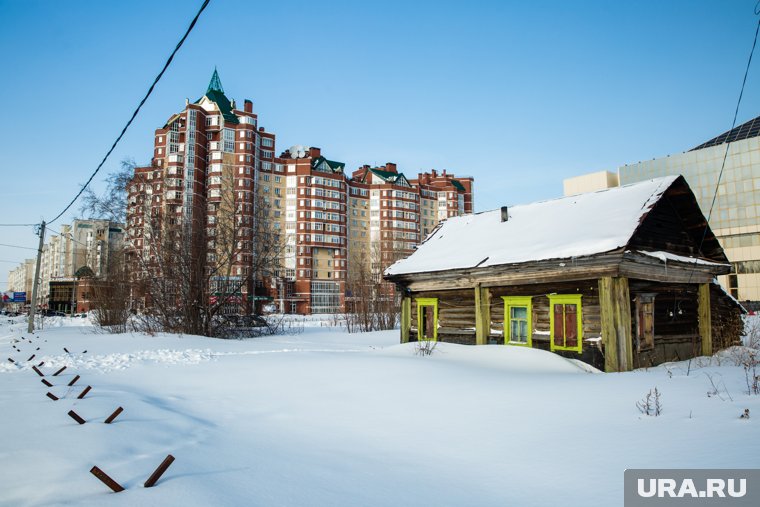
(325, 418)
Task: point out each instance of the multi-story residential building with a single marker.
(21, 278)
(735, 217)
(83, 244)
(325, 222)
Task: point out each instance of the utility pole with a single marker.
(33, 306)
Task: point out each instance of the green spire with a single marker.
(215, 84)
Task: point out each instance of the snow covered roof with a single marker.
(575, 226)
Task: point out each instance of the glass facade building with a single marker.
(735, 214)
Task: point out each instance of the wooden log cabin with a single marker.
(621, 278)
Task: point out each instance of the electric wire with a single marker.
(18, 246)
(733, 125)
(728, 145)
(137, 110)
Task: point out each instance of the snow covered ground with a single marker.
(326, 418)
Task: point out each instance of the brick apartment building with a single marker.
(212, 157)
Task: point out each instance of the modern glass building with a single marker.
(735, 214)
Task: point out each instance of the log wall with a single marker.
(676, 322)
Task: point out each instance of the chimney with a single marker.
(390, 167)
(247, 106)
(232, 104)
(187, 102)
(314, 152)
(504, 214)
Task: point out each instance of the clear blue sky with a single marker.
(517, 94)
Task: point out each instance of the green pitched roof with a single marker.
(386, 175)
(333, 165)
(458, 185)
(215, 84)
(391, 177)
(215, 93)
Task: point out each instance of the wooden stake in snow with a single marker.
(52, 396)
(46, 383)
(66, 350)
(114, 415)
(41, 363)
(73, 381)
(103, 477)
(11, 360)
(155, 476)
(37, 371)
(59, 371)
(84, 393)
(76, 417)
(31, 357)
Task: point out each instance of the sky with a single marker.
(519, 95)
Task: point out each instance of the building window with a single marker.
(229, 140)
(427, 319)
(566, 327)
(518, 312)
(645, 321)
(733, 286)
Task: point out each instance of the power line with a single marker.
(728, 143)
(733, 124)
(18, 225)
(19, 246)
(124, 130)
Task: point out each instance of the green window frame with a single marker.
(423, 315)
(515, 320)
(566, 322)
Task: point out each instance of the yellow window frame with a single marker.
(421, 303)
(518, 302)
(566, 299)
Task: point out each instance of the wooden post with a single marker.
(155, 476)
(482, 315)
(76, 417)
(105, 479)
(705, 319)
(406, 318)
(59, 372)
(84, 393)
(615, 305)
(73, 381)
(114, 415)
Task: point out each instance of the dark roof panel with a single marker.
(744, 131)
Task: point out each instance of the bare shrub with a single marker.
(650, 404)
(717, 390)
(425, 347)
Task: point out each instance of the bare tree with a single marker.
(371, 303)
(198, 274)
(110, 295)
(112, 204)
